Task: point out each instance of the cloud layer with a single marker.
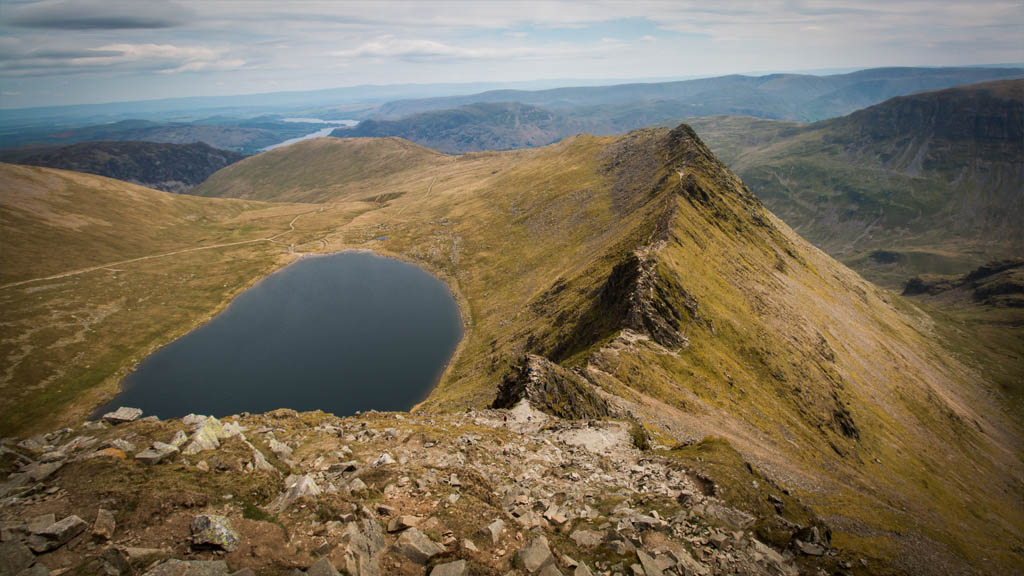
(69, 51)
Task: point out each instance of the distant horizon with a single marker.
(74, 52)
(511, 84)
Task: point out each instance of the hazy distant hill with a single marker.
(241, 135)
(778, 96)
(474, 127)
(930, 183)
(508, 119)
(168, 167)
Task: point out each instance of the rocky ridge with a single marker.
(500, 491)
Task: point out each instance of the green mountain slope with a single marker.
(779, 96)
(930, 183)
(167, 167)
(473, 128)
(510, 119)
(639, 270)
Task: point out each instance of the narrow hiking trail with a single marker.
(273, 239)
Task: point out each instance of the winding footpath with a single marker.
(291, 228)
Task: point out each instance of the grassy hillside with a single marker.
(167, 167)
(931, 183)
(321, 169)
(659, 280)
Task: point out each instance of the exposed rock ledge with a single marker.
(489, 492)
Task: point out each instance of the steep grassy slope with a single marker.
(652, 275)
(167, 167)
(931, 183)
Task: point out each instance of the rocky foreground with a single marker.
(488, 492)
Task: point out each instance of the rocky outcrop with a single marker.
(999, 284)
(551, 388)
(469, 493)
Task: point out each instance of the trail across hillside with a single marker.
(291, 228)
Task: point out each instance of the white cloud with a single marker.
(306, 44)
(411, 49)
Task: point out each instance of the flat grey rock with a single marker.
(105, 525)
(322, 567)
(122, 414)
(14, 557)
(190, 568)
(535, 555)
(457, 568)
(57, 534)
(415, 546)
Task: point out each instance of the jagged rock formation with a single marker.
(550, 388)
(487, 492)
(999, 283)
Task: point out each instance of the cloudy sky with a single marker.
(81, 51)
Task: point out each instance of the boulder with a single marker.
(416, 546)
(103, 528)
(550, 570)
(39, 523)
(213, 531)
(38, 472)
(122, 415)
(179, 438)
(35, 570)
(457, 568)
(582, 570)
(536, 555)
(587, 538)
(383, 460)
(156, 454)
(205, 437)
(190, 568)
(282, 450)
(363, 548)
(403, 522)
(650, 567)
(809, 548)
(322, 567)
(296, 487)
(494, 530)
(57, 534)
(14, 557)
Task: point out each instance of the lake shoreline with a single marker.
(460, 308)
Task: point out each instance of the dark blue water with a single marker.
(339, 333)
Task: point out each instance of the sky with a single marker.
(57, 52)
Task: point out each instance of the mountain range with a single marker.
(928, 183)
(167, 167)
(632, 277)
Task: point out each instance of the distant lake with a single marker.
(317, 134)
(340, 333)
